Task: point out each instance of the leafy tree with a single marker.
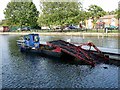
(21, 13)
(83, 16)
(111, 12)
(95, 13)
(3, 23)
(117, 11)
(59, 13)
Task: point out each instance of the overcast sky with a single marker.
(107, 5)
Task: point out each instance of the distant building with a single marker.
(109, 20)
(104, 21)
(89, 24)
(6, 29)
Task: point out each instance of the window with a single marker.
(105, 20)
(36, 38)
(113, 20)
(26, 37)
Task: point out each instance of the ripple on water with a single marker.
(33, 71)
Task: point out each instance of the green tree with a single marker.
(21, 14)
(117, 12)
(3, 23)
(59, 13)
(95, 13)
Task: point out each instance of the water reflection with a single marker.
(100, 42)
(21, 70)
(107, 42)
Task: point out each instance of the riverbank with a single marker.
(66, 34)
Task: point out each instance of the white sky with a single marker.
(107, 5)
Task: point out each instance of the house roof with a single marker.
(108, 17)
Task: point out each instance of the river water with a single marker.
(20, 70)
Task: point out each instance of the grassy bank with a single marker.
(73, 30)
(99, 34)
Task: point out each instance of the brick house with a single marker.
(6, 29)
(109, 20)
(105, 21)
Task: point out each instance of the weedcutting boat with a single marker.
(62, 49)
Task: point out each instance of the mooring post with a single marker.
(83, 36)
(98, 36)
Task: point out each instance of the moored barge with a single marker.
(62, 49)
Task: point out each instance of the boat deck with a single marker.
(86, 56)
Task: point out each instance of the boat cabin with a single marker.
(32, 40)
